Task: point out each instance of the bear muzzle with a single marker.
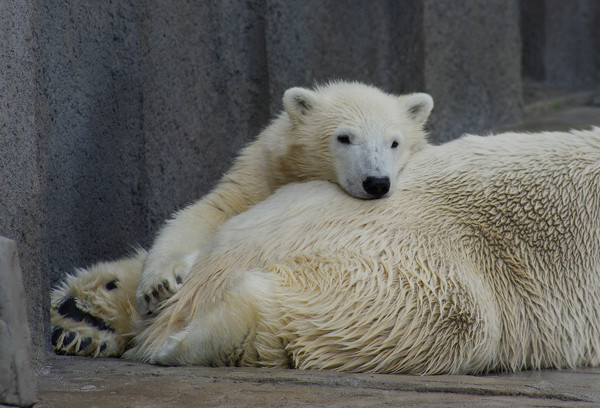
(376, 187)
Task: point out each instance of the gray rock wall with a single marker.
(533, 31)
(91, 140)
(115, 114)
(17, 384)
(22, 175)
(379, 43)
(561, 42)
(203, 74)
(472, 64)
(571, 51)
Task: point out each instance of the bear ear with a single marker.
(298, 102)
(418, 106)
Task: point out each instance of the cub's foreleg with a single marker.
(188, 234)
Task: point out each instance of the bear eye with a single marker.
(344, 139)
(394, 144)
(111, 285)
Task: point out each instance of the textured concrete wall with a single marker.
(472, 64)
(205, 90)
(315, 41)
(115, 114)
(570, 49)
(92, 147)
(22, 175)
(17, 383)
(533, 31)
(561, 41)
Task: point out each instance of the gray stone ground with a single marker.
(80, 382)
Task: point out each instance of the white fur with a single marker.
(215, 337)
(486, 257)
(299, 145)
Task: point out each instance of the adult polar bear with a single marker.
(486, 257)
(347, 133)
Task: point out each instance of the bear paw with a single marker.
(76, 332)
(92, 312)
(162, 279)
(83, 341)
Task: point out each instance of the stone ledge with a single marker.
(17, 385)
(540, 99)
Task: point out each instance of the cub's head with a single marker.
(354, 135)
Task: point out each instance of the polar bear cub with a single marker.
(347, 133)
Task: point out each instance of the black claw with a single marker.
(155, 294)
(160, 288)
(85, 343)
(178, 280)
(147, 298)
(68, 339)
(103, 347)
(56, 335)
(166, 285)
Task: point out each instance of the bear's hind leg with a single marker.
(353, 311)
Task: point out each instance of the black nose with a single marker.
(377, 186)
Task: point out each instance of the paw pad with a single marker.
(84, 344)
(78, 332)
(68, 339)
(56, 335)
(112, 285)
